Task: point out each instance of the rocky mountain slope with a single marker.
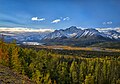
(74, 32)
(76, 36)
(68, 36)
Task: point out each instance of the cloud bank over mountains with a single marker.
(23, 29)
(18, 29)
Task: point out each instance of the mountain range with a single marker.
(70, 36)
(80, 37)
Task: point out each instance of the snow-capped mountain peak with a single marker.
(69, 34)
(74, 32)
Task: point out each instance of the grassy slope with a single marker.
(7, 76)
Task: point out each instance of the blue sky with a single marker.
(58, 14)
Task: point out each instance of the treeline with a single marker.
(115, 45)
(44, 67)
(85, 53)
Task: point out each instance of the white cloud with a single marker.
(56, 21)
(66, 18)
(107, 23)
(37, 19)
(60, 19)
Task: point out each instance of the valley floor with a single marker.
(59, 47)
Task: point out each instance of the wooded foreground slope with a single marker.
(45, 67)
(8, 76)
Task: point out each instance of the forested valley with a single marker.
(45, 67)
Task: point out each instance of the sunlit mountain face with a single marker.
(66, 36)
(81, 36)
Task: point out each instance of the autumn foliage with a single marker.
(44, 67)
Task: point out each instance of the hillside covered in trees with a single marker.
(45, 67)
